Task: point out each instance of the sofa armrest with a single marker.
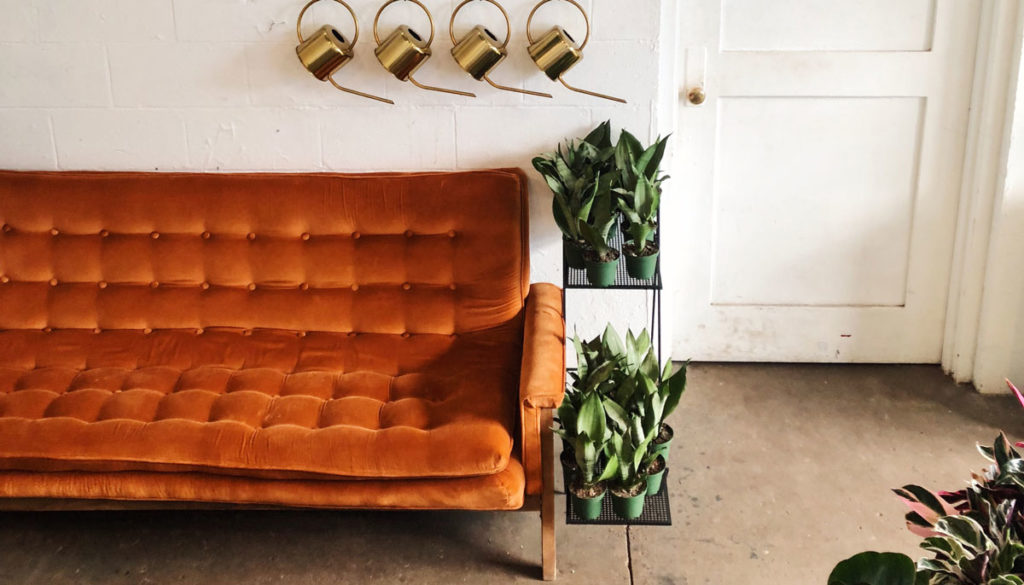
(542, 378)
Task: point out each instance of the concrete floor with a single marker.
(779, 471)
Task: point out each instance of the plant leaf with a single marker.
(874, 568)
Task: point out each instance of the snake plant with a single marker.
(577, 175)
(648, 395)
(641, 211)
(637, 183)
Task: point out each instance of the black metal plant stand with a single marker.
(656, 507)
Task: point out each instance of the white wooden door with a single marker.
(814, 195)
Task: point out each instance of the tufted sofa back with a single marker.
(420, 253)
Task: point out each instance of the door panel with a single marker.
(841, 162)
(827, 25)
(818, 183)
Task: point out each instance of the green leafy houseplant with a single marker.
(626, 452)
(975, 535)
(653, 392)
(637, 183)
(585, 429)
(583, 421)
(600, 258)
(574, 176)
(636, 394)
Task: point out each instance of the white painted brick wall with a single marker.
(214, 85)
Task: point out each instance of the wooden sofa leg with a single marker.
(547, 506)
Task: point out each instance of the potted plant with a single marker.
(587, 488)
(653, 392)
(638, 182)
(574, 177)
(641, 211)
(639, 169)
(600, 258)
(626, 452)
(975, 534)
(598, 370)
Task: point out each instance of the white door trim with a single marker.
(982, 305)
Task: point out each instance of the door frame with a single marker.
(986, 289)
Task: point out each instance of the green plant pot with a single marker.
(642, 267)
(586, 508)
(663, 448)
(655, 480)
(602, 274)
(573, 255)
(628, 508)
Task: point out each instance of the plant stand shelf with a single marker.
(656, 508)
(657, 511)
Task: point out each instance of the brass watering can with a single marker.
(327, 51)
(403, 51)
(556, 52)
(479, 52)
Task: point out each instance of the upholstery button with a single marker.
(4, 279)
(204, 285)
(451, 286)
(406, 286)
(356, 235)
(247, 332)
(406, 335)
(205, 235)
(147, 331)
(408, 233)
(199, 331)
(53, 282)
(301, 334)
(355, 287)
(451, 233)
(154, 284)
(97, 330)
(104, 234)
(252, 286)
(305, 236)
(54, 232)
(352, 334)
(47, 329)
(304, 286)
(6, 228)
(155, 235)
(251, 236)
(102, 284)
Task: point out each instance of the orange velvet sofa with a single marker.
(307, 340)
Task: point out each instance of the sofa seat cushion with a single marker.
(264, 403)
(499, 491)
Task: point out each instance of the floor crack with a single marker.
(629, 555)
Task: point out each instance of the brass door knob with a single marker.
(696, 96)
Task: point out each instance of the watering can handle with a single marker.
(529, 21)
(508, 24)
(355, 22)
(376, 19)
